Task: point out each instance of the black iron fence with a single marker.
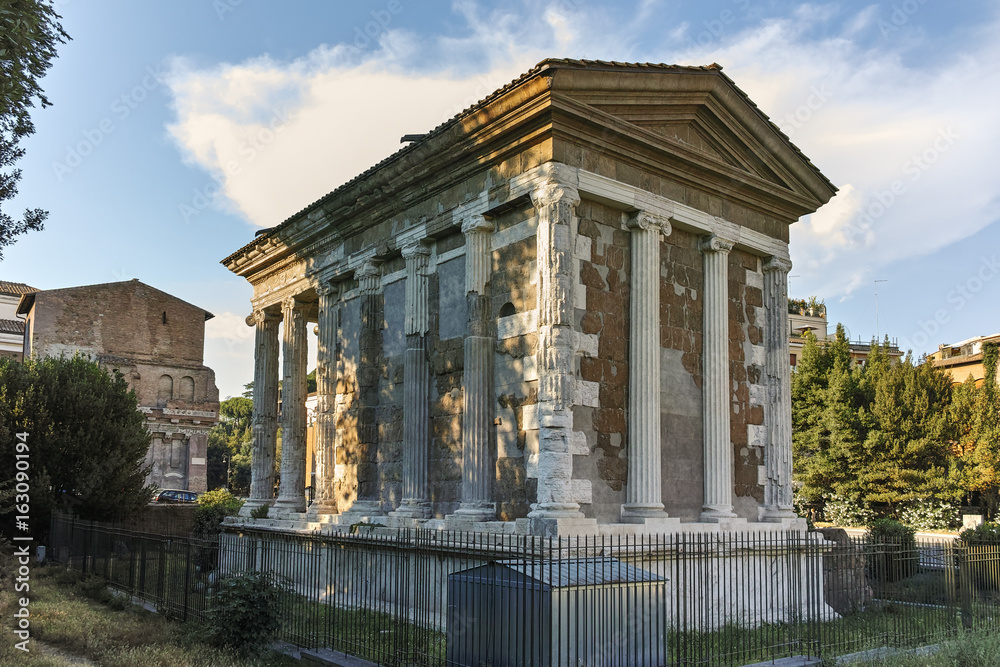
(415, 597)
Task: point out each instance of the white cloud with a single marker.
(857, 108)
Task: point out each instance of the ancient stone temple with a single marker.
(562, 311)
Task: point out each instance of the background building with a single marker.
(157, 342)
(810, 316)
(964, 359)
(11, 328)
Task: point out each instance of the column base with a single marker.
(775, 514)
(361, 510)
(252, 504)
(640, 512)
(320, 508)
(471, 513)
(412, 509)
(717, 513)
(286, 505)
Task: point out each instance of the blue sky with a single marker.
(178, 129)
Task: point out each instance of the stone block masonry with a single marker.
(555, 314)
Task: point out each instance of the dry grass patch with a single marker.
(78, 616)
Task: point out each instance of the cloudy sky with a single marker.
(178, 129)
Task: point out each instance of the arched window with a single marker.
(165, 390)
(507, 309)
(187, 388)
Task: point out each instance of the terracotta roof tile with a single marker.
(15, 289)
(12, 327)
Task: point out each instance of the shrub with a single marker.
(930, 515)
(260, 512)
(987, 533)
(843, 512)
(213, 508)
(245, 615)
(892, 551)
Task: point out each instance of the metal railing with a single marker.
(416, 597)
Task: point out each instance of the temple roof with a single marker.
(545, 66)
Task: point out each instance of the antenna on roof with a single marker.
(876, 309)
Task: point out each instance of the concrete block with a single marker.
(578, 444)
(529, 417)
(588, 393)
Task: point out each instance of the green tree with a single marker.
(87, 440)
(29, 33)
(876, 435)
(975, 412)
(229, 441)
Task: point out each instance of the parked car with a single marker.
(175, 496)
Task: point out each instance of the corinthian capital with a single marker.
(716, 243)
(554, 193)
(645, 221)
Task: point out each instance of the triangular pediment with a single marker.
(698, 124)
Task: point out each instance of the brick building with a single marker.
(157, 342)
(563, 311)
(11, 328)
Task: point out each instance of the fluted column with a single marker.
(778, 411)
(265, 409)
(326, 388)
(295, 353)
(416, 387)
(643, 494)
(477, 377)
(555, 203)
(368, 501)
(715, 381)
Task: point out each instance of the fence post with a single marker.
(187, 577)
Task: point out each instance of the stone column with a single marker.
(295, 353)
(416, 387)
(325, 501)
(556, 206)
(643, 495)
(265, 410)
(477, 377)
(368, 502)
(715, 381)
(778, 411)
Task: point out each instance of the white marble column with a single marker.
(368, 500)
(778, 411)
(416, 387)
(718, 471)
(265, 410)
(325, 501)
(555, 203)
(643, 494)
(295, 353)
(477, 377)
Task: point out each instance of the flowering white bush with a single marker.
(843, 512)
(930, 515)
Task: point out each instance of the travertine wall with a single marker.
(156, 341)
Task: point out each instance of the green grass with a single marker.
(79, 617)
(973, 649)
